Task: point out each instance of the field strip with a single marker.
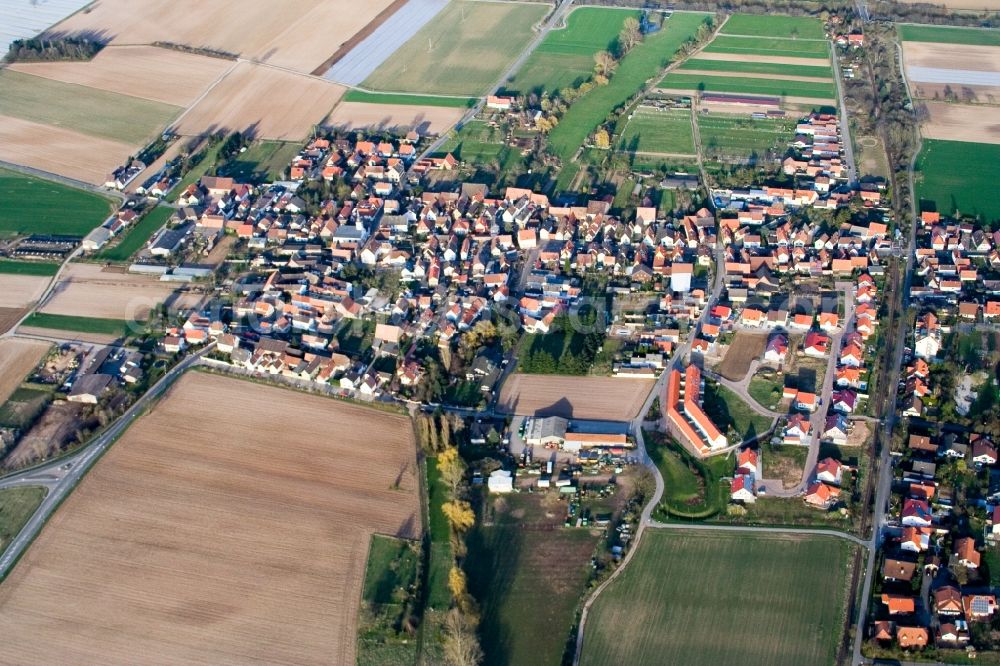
(366, 56)
(752, 528)
(754, 75)
(751, 57)
(646, 153)
(954, 76)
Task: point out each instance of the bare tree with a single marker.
(604, 63)
(630, 35)
(461, 648)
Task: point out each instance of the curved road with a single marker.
(61, 476)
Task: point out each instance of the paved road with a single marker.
(61, 476)
(845, 126)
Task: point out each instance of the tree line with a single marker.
(47, 50)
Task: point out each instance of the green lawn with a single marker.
(528, 583)
(391, 569)
(769, 46)
(692, 487)
(116, 327)
(767, 25)
(641, 64)
(788, 512)
(666, 131)
(463, 51)
(416, 100)
(566, 57)
(706, 599)
(728, 411)
(98, 113)
(959, 176)
(263, 162)
(476, 142)
(390, 580)
(16, 506)
(438, 595)
(740, 137)
(739, 84)
(766, 390)
(777, 69)
(30, 205)
(948, 35)
(136, 237)
(36, 268)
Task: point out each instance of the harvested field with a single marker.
(62, 334)
(756, 58)
(53, 431)
(608, 398)
(216, 542)
(60, 151)
(745, 348)
(149, 72)
(685, 589)
(425, 119)
(269, 103)
(97, 113)
(458, 53)
(297, 34)
(17, 358)
(87, 290)
(17, 291)
(960, 122)
(973, 5)
(9, 317)
(736, 109)
(951, 56)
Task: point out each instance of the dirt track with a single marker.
(203, 537)
(161, 75)
(602, 398)
(60, 151)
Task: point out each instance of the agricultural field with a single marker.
(30, 268)
(17, 358)
(17, 505)
(641, 64)
(265, 102)
(773, 47)
(948, 35)
(385, 116)
(97, 113)
(19, 290)
(971, 123)
(406, 99)
(789, 27)
(745, 348)
(565, 57)
(148, 72)
(105, 330)
(684, 590)
(262, 546)
(528, 581)
(705, 65)
(30, 205)
(10, 316)
(661, 131)
(952, 176)
(135, 238)
(608, 398)
(741, 84)
(88, 290)
(296, 34)
(460, 52)
(739, 138)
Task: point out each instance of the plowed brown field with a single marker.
(228, 526)
(425, 119)
(60, 151)
(17, 358)
(17, 291)
(86, 290)
(603, 398)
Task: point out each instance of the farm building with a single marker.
(550, 430)
(575, 441)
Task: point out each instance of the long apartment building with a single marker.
(685, 418)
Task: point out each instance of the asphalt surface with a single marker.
(61, 476)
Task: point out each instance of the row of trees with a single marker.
(65, 48)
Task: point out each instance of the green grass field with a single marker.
(30, 205)
(415, 100)
(766, 390)
(948, 35)
(959, 176)
(777, 69)
(136, 237)
(707, 599)
(475, 142)
(37, 268)
(263, 162)
(95, 112)
(738, 84)
(16, 507)
(767, 25)
(115, 327)
(391, 568)
(566, 57)
(528, 583)
(438, 595)
(641, 64)
(769, 46)
(728, 411)
(692, 488)
(390, 577)
(740, 137)
(463, 51)
(667, 131)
